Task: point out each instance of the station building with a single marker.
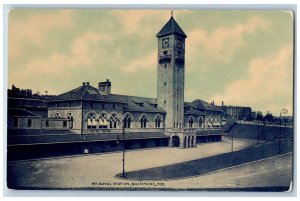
(94, 111)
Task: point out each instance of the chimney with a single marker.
(222, 103)
(105, 86)
(83, 83)
(87, 83)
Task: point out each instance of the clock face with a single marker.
(165, 42)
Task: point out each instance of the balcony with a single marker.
(166, 58)
(179, 59)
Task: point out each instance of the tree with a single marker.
(259, 116)
(269, 117)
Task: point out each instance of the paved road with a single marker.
(213, 163)
(98, 171)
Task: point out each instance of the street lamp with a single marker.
(123, 154)
(258, 131)
(282, 112)
(231, 142)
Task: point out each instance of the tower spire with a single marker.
(172, 13)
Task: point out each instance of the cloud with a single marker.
(269, 84)
(79, 55)
(131, 19)
(34, 29)
(224, 41)
(147, 63)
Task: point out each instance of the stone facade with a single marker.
(90, 110)
(170, 75)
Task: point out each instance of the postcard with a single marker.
(160, 100)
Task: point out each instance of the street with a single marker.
(99, 170)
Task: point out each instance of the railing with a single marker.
(119, 130)
(165, 58)
(263, 123)
(179, 59)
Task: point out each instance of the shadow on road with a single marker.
(205, 165)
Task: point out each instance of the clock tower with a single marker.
(170, 73)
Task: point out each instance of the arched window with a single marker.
(191, 122)
(201, 122)
(57, 115)
(209, 122)
(127, 121)
(71, 118)
(103, 123)
(143, 121)
(157, 121)
(91, 121)
(113, 121)
(216, 122)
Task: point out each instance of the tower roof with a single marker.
(171, 27)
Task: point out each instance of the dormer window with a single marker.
(140, 104)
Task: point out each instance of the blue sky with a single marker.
(239, 57)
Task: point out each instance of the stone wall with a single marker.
(265, 133)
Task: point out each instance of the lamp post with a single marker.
(282, 112)
(258, 131)
(232, 142)
(123, 160)
(123, 151)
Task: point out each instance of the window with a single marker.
(157, 122)
(114, 106)
(127, 121)
(29, 123)
(165, 102)
(103, 106)
(165, 84)
(201, 122)
(91, 121)
(165, 52)
(143, 121)
(71, 119)
(103, 123)
(165, 65)
(70, 104)
(191, 122)
(56, 105)
(91, 104)
(16, 122)
(57, 115)
(47, 124)
(65, 124)
(113, 121)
